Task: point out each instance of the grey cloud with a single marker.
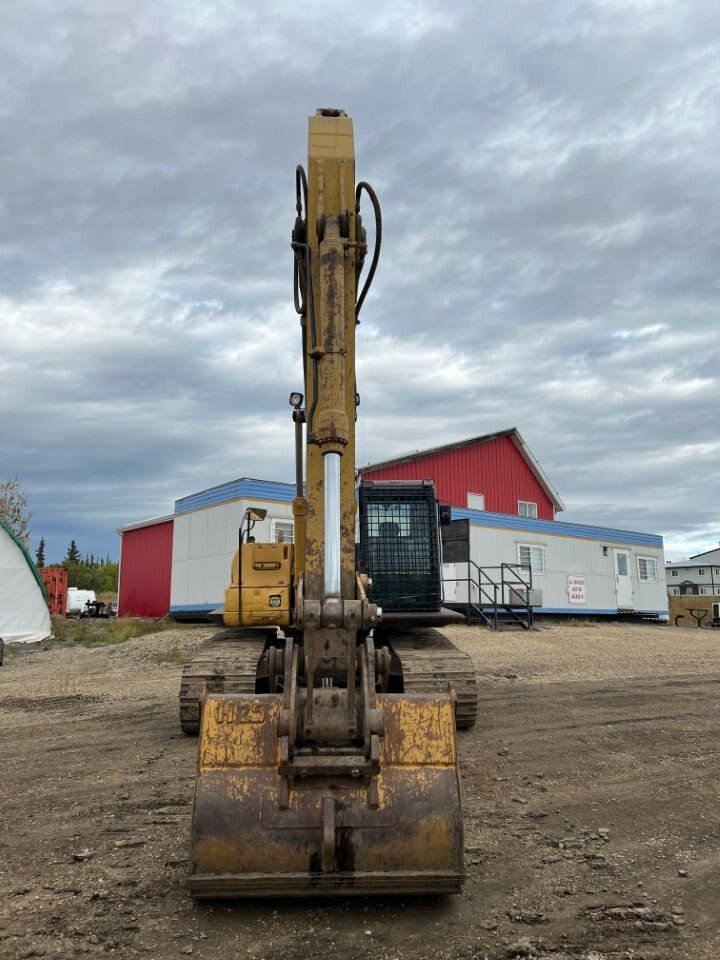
(550, 253)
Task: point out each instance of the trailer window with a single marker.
(647, 568)
(531, 556)
(282, 531)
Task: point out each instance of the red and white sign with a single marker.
(576, 589)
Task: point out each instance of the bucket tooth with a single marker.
(398, 832)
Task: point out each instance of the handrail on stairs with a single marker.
(512, 584)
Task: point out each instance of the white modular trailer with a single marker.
(577, 569)
(205, 538)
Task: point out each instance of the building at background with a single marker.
(505, 510)
(495, 472)
(697, 576)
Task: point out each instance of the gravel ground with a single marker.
(590, 789)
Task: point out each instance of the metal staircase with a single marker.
(496, 596)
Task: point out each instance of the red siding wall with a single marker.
(496, 469)
(145, 567)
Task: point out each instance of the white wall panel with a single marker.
(232, 514)
(181, 537)
(197, 580)
(217, 578)
(217, 526)
(198, 533)
(203, 547)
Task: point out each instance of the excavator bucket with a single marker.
(257, 835)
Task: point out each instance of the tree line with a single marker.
(88, 572)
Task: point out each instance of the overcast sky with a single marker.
(548, 174)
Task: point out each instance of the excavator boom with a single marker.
(328, 781)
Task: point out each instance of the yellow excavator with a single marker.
(327, 754)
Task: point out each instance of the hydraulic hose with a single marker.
(301, 179)
(301, 195)
(305, 247)
(378, 239)
(304, 296)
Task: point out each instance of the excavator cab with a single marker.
(328, 782)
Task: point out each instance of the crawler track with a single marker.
(227, 664)
(430, 661)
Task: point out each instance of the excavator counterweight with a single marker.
(323, 768)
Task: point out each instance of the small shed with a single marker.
(24, 615)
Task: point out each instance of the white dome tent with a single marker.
(24, 616)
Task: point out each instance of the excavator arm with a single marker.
(327, 783)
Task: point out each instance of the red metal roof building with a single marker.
(495, 472)
(145, 568)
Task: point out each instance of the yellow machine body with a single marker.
(260, 594)
(328, 784)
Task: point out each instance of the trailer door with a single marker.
(623, 580)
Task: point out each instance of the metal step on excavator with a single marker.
(328, 756)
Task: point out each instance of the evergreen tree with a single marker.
(40, 555)
(73, 554)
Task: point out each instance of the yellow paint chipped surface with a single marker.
(239, 732)
(418, 731)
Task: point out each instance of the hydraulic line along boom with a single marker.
(327, 782)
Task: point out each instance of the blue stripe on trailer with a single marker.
(483, 518)
(195, 607)
(236, 490)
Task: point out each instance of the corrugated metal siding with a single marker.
(145, 568)
(496, 469)
(55, 581)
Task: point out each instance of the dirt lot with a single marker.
(591, 803)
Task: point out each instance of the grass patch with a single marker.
(581, 622)
(175, 656)
(106, 596)
(91, 632)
